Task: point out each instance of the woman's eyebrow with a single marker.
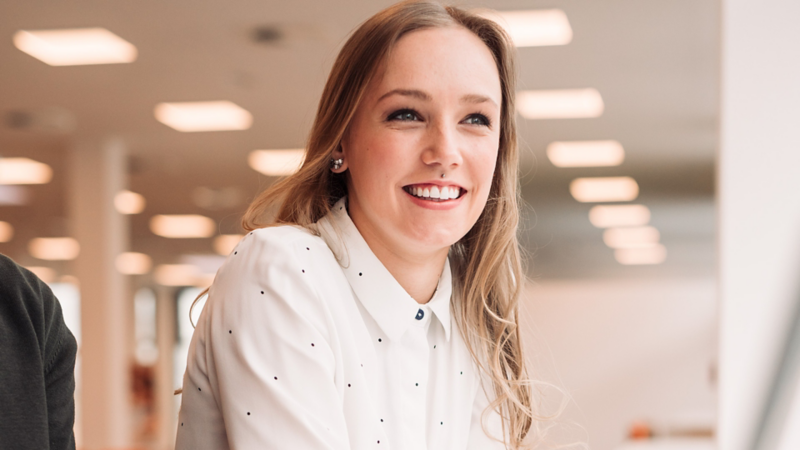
(422, 95)
(477, 98)
(407, 93)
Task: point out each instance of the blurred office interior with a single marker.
(659, 141)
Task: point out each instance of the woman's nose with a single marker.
(442, 147)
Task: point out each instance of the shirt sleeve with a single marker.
(262, 356)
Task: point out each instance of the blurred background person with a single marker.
(37, 363)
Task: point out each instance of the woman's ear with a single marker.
(338, 158)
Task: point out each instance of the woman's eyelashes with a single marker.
(409, 115)
(404, 115)
(478, 119)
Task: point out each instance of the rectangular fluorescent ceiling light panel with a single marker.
(24, 171)
(585, 153)
(128, 202)
(276, 163)
(181, 226)
(132, 263)
(204, 116)
(631, 237)
(54, 249)
(604, 189)
(605, 216)
(533, 28)
(560, 104)
(76, 46)
(639, 256)
(177, 275)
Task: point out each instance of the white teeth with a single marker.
(435, 192)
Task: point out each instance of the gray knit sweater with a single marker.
(37, 362)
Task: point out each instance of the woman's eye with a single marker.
(404, 115)
(477, 119)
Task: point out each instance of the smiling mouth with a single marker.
(434, 193)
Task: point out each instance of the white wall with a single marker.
(759, 201)
(626, 350)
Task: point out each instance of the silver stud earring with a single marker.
(336, 164)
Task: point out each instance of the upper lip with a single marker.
(439, 182)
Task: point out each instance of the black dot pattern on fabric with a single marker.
(235, 253)
(181, 423)
(248, 413)
(262, 292)
(441, 423)
(381, 420)
(348, 384)
(379, 340)
(416, 384)
(434, 346)
(303, 270)
(360, 274)
(199, 389)
(275, 378)
(312, 344)
(230, 331)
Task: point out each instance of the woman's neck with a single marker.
(417, 273)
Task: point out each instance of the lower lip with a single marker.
(436, 206)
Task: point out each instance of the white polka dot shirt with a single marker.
(308, 342)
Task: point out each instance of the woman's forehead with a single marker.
(439, 60)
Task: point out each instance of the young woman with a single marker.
(378, 309)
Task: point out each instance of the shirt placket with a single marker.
(416, 360)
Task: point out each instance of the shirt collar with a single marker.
(377, 290)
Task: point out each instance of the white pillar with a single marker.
(165, 388)
(759, 205)
(97, 173)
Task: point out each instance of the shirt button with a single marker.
(420, 314)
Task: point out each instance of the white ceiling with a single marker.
(654, 62)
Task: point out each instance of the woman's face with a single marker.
(432, 109)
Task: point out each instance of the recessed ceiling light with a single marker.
(631, 237)
(76, 46)
(638, 256)
(585, 153)
(604, 189)
(560, 104)
(605, 216)
(45, 274)
(128, 202)
(24, 171)
(224, 243)
(132, 263)
(177, 274)
(530, 28)
(182, 226)
(276, 163)
(6, 231)
(204, 116)
(54, 249)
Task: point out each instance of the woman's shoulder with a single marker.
(275, 241)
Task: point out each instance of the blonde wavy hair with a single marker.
(486, 262)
